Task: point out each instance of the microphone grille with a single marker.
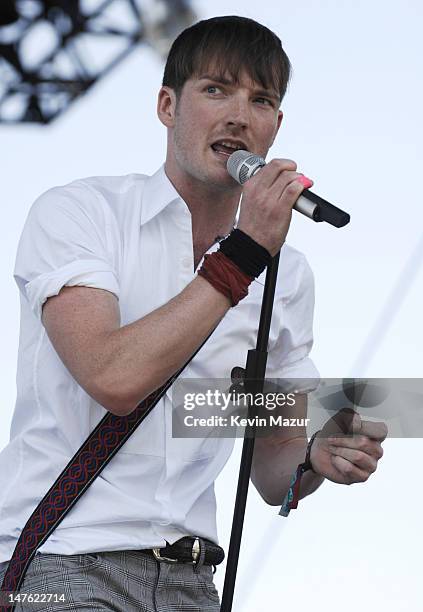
(243, 173)
(235, 160)
(241, 163)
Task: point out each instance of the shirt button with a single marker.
(186, 262)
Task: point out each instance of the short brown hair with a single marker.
(229, 44)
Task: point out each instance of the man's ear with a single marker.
(166, 106)
(278, 125)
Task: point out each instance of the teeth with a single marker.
(230, 145)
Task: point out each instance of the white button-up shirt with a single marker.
(131, 236)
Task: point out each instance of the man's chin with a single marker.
(221, 179)
(217, 171)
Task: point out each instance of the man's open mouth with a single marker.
(227, 147)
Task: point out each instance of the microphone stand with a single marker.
(255, 371)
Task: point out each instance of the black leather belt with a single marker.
(188, 550)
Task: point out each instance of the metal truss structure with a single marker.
(53, 51)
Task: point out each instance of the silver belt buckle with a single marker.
(156, 553)
(195, 551)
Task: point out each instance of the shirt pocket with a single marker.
(184, 442)
(149, 436)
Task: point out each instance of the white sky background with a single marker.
(353, 124)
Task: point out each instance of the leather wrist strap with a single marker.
(234, 266)
(250, 256)
(307, 463)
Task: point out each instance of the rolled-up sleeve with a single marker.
(290, 353)
(64, 242)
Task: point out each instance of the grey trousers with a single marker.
(118, 581)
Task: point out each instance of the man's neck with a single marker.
(213, 211)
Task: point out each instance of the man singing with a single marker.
(121, 279)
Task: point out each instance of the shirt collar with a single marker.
(158, 193)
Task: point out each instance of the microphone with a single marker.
(242, 165)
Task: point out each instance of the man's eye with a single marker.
(212, 89)
(264, 101)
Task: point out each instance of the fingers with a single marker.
(358, 443)
(288, 187)
(283, 181)
(267, 202)
(346, 421)
(269, 173)
(362, 460)
(277, 175)
(376, 430)
(350, 472)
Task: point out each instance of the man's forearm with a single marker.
(142, 355)
(274, 463)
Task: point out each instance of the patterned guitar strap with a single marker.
(90, 459)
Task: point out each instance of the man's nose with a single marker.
(239, 113)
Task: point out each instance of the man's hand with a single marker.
(267, 201)
(347, 449)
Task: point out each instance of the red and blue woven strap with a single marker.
(87, 463)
